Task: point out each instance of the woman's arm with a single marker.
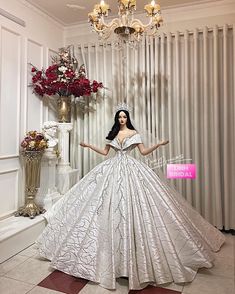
(104, 151)
(145, 151)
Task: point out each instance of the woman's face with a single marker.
(122, 118)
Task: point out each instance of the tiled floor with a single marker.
(28, 273)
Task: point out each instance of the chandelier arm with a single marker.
(107, 34)
(152, 32)
(126, 27)
(138, 22)
(114, 23)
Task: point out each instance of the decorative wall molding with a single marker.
(199, 4)
(7, 215)
(10, 199)
(9, 171)
(24, 87)
(12, 17)
(202, 9)
(34, 42)
(7, 37)
(20, 110)
(35, 55)
(45, 15)
(9, 156)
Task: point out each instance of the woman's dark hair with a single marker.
(116, 127)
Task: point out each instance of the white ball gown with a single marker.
(124, 220)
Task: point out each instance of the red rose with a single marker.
(34, 79)
(40, 91)
(70, 74)
(51, 81)
(87, 91)
(51, 76)
(39, 74)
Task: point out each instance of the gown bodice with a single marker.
(126, 145)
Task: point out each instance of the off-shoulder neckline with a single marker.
(126, 138)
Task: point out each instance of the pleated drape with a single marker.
(181, 88)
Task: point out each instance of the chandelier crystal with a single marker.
(128, 28)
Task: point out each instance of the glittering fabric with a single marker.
(123, 219)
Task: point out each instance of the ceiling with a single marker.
(58, 10)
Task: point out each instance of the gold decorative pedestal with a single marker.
(64, 109)
(32, 164)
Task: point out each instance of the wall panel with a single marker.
(10, 92)
(34, 103)
(9, 191)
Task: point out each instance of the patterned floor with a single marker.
(28, 273)
(66, 284)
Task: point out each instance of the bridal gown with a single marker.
(124, 220)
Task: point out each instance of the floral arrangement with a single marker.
(34, 141)
(63, 78)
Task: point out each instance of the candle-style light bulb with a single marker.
(102, 8)
(153, 3)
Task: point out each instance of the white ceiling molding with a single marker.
(200, 10)
(43, 14)
(170, 15)
(176, 7)
(67, 17)
(12, 17)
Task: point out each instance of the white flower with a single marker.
(62, 68)
(31, 144)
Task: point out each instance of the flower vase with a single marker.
(64, 109)
(32, 166)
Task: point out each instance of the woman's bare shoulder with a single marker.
(132, 132)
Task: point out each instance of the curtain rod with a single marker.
(200, 31)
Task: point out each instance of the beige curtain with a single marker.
(181, 87)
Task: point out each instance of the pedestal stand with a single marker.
(66, 176)
(48, 193)
(32, 165)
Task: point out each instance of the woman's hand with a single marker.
(104, 151)
(84, 144)
(146, 151)
(163, 143)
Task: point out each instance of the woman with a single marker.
(124, 220)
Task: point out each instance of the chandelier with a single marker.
(128, 29)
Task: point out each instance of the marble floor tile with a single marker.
(227, 249)
(62, 282)
(223, 267)
(11, 263)
(41, 290)
(29, 251)
(173, 286)
(38, 257)
(210, 284)
(31, 271)
(10, 286)
(154, 290)
(28, 273)
(121, 288)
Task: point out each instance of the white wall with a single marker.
(20, 110)
(180, 18)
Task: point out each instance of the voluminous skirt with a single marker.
(124, 220)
